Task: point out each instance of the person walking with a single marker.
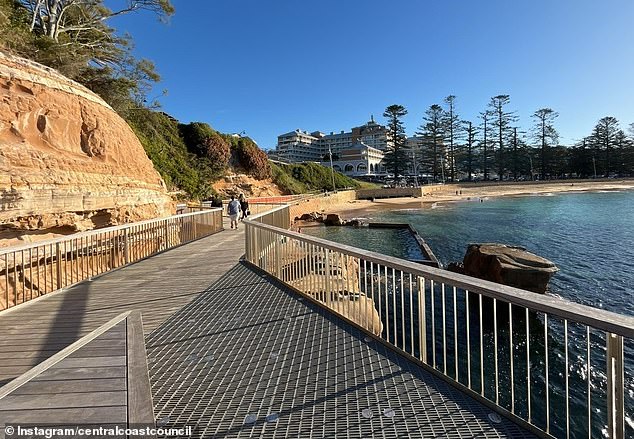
(244, 206)
(233, 210)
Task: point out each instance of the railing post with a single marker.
(126, 247)
(278, 257)
(616, 418)
(58, 259)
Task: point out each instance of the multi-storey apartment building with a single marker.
(300, 146)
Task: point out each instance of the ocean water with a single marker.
(589, 236)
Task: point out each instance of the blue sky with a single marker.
(269, 66)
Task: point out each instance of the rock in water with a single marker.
(509, 265)
(332, 219)
(67, 160)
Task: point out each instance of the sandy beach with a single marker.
(483, 191)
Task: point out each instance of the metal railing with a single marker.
(558, 368)
(30, 271)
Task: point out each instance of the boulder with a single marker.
(308, 217)
(332, 219)
(509, 265)
(67, 160)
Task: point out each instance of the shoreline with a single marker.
(453, 193)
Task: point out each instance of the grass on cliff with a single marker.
(302, 178)
(163, 141)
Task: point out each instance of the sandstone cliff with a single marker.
(68, 162)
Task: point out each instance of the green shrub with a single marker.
(182, 170)
(308, 177)
(252, 159)
(194, 135)
(217, 151)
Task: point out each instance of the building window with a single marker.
(362, 167)
(349, 168)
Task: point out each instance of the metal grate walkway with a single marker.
(249, 358)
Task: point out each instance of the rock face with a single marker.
(68, 162)
(508, 265)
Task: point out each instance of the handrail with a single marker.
(35, 269)
(93, 232)
(502, 345)
(598, 318)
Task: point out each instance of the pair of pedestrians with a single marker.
(237, 208)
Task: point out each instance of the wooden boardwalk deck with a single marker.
(230, 351)
(157, 287)
(82, 382)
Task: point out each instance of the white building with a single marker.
(358, 160)
(300, 146)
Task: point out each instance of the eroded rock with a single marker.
(509, 265)
(67, 160)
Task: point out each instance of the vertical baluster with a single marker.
(368, 323)
(566, 376)
(394, 293)
(422, 320)
(327, 280)
(433, 323)
(6, 279)
(467, 311)
(45, 270)
(23, 277)
(92, 255)
(455, 333)
(372, 290)
(481, 345)
(81, 261)
(588, 372)
(546, 364)
(444, 329)
(402, 297)
(411, 315)
(387, 306)
(378, 286)
(349, 302)
(495, 350)
(528, 368)
(511, 357)
(339, 281)
(77, 260)
(98, 261)
(345, 265)
(31, 283)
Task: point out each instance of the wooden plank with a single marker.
(43, 388)
(80, 373)
(56, 347)
(22, 361)
(59, 338)
(99, 352)
(90, 362)
(67, 416)
(140, 406)
(63, 400)
(42, 367)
